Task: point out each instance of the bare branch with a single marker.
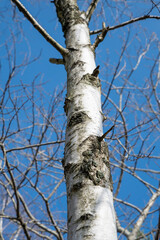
(148, 185)
(128, 204)
(121, 229)
(158, 228)
(14, 187)
(91, 9)
(116, 69)
(100, 37)
(39, 224)
(144, 214)
(154, 6)
(60, 237)
(56, 61)
(40, 29)
(105, 134)
(126, 23)
(56, 187)
(42, 236)
(33, 145)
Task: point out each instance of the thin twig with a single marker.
(128, 204)
(100, 37)
(155, 5)
(120, 228)
(34, 145)
(126, 23)
(105, 134)
(91, 9)
(55, 189)
(14, 187)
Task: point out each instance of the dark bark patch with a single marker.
(96, 71)
(74, 170)
(86, 216)
(95, 164)
(89, 170)
(70, 168)
(78, 64)
(68, 14)
(66, 103)
(77, 186)
(87, 153)
(77, 118)
(91, 80)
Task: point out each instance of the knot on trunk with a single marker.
(95, 164)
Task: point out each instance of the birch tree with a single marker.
(90, 210)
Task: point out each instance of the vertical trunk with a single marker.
(86, 161)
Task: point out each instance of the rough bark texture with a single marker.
(86, 161)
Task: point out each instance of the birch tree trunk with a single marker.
(86, 161)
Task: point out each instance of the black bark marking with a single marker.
(68, 14)
(95, 165)
(66, 103)
(91, 80)
(78, 64)
(77, 118)
(77, 186)
(87, 216)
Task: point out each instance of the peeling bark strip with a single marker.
(86, 160)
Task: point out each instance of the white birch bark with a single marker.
(86, 162)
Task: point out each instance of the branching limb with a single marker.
(91, 9)
(56, 61)
(128, 204)
(125, 147)
(60, 237)
(1, 220)
(155, 6)
(40, 29)
(55, 189)
(144, 214)
(42, 236)
(100, 37)
(116, 69)
(125, 23)
(14, 187)
(146, 184)
(120, 229)
(157, 236)
(34, 220)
